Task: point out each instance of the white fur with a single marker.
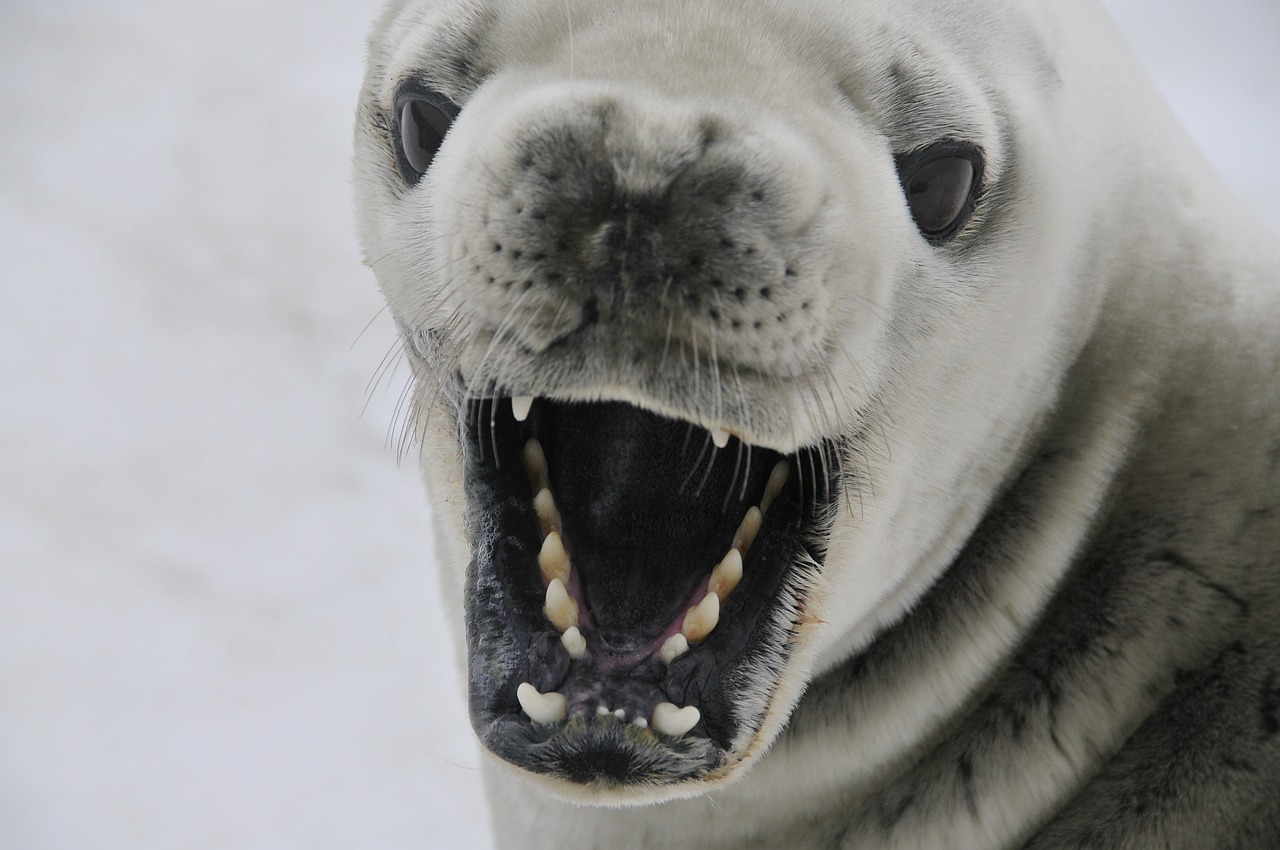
(1117, 270)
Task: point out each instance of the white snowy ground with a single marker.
(218, 619)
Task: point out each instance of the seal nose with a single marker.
(662, 218)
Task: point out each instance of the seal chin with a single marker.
(636, 589)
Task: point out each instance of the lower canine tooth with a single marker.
(574, 643)
(701, 618)
(726, 575)
(777, 478)
(673, 648)
(535, 463)
(542, 708)
(561, 609)
(544, 505)
(553, 560)
(672, 720)
(747, 531)
(520, 405)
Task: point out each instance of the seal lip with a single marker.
(730, 678)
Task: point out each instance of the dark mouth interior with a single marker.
(649, 513)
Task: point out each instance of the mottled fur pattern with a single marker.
(1049, 611)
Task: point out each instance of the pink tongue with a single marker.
(609, 661)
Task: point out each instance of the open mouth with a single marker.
(636, 588)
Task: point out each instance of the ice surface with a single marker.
(219, 625)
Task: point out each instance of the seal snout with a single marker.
(672, 222)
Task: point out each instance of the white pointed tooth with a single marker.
(602, 711)
(561, 609)
(641, 722)
(520, 405)
(673, 648)
(544, 505)
(726, 575)
(670, 719)
(720, 437)
(620, 713)
(542, 708)
(777, 478)
(701, 618)
(535, 463)
(574, 643)
(747, 531)
(553, 560)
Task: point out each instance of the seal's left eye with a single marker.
(941, 185)
(422, 120)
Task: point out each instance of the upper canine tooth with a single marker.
(747, 531)
(520, 405)
(720, 437)
(544, 504)
(670, 719)
(673, 648)
(574, 643)
(561, 609)
(701, 618)
(726, 575)
(553, 560)
(777, 478)
(542, 708)
(535, 463)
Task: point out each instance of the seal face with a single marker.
(653, 309)
(820, 348)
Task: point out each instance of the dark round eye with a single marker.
(941, 184)
(421, 121)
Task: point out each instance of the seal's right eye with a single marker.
(422, 119)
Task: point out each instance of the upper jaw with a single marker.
(621, 564)
(786, 408)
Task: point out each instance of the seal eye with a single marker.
(941, 185)
(422, 120)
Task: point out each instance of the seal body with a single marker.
(849, 424)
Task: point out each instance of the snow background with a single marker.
(218, 618)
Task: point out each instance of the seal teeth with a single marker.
(574, 643)
(561, 609)
(747, 531)
(542, 708)
(701, 619)
(544, 504)
(670, 719)
(777, 479)
(553, 560)
(673, 648)
(535, 463)
(520, 406)
(726, 575)
(720, 437)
